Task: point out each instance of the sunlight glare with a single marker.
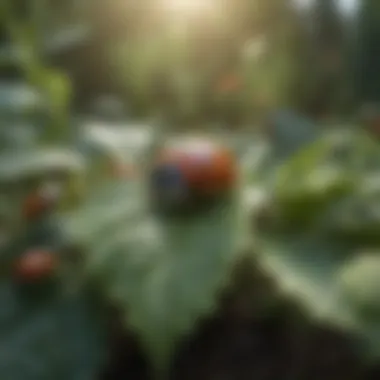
(188, 6)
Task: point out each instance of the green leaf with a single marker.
(85, 226)
(254, 160)
(360, 282)
(50, 328)
(323, 182)
(305, 161)
(19, 98)
(348, 151)
(28, 163)
(164, 274)
(57, 88)
(307, 199)
(311, 181)
(336, 178)
(51, 336)
(356, 218)
(309, 267)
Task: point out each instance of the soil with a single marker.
(242, 343)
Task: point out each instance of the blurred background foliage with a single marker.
(194, 60)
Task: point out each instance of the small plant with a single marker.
(168, 273)
(335, 202)
(146, 260)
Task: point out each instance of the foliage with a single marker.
(48, 330)
(313, 214)
(172, 53)
(55, 87)
(304, 229)
(50, 324)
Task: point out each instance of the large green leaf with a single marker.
(164, 274)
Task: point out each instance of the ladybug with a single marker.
(35, 265)
(193, 170)
(42, 200)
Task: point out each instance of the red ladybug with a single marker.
(199, 166)
(35, 265)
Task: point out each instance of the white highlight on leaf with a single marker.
(360, 281)
(254, 197)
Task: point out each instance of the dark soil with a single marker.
(236, 344)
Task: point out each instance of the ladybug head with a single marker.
(192, 174)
